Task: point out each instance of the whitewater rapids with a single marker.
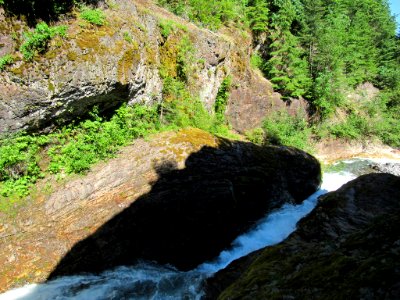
(152, 281)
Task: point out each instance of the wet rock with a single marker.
(347, 248)
(391, 168)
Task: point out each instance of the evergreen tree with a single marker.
(286, 66)
(258, 14)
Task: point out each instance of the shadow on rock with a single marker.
(348, 247)
(192, 214)
(46, 10)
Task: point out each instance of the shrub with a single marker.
(283, 129)
(185, 58)
(222, 99)
(6, 60)
(168, 27)
(93, 16)
(37, 41)
(256, 61)
(93, 140)
(19, 166)
(256, 136)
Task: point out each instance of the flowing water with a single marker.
(151, 281)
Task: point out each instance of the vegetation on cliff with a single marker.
(321, 51)
(75, 147)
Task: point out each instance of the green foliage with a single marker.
(127, 37)
(6, 60)
(180, 108)
(350, 42)
(93, 140)
(282, 129)
(72, 149)
(93, 16)
(258, 15)
(34, 10)
(211, 14)
(328, 94)
(369, 120)
(185, 58)
(256, 61)
(222, 98)
(19, 167)
(286, 65)
(256, 136)
(75, 148)
(169, 26)
(353, 127)
(37, 41)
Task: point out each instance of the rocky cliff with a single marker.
(347, 248)
(120, 62)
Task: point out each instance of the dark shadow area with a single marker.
(190, 215)
(81, 108)
(45, 10)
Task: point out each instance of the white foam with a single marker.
(275, 227)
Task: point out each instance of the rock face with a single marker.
(190, 215)
(179, 198)
(347, 248)
(391, 168)
(120, 62)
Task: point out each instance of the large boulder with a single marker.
(178, 198)
(347, 248)
(192, 214)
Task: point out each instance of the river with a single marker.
(151, 281)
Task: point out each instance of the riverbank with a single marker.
(329, 151)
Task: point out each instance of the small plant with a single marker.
(93, 16)
(222, 99)
(185, 58)
(256, 61)
(168, 26)
(6, 60)
(37, 41)
(81, 146)
(127, 37)
(19, 167)
(256, 136)
(111, 4)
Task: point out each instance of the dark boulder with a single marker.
(347, 248)
(191, 214)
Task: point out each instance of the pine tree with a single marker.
(286, 67)
(258, 15)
